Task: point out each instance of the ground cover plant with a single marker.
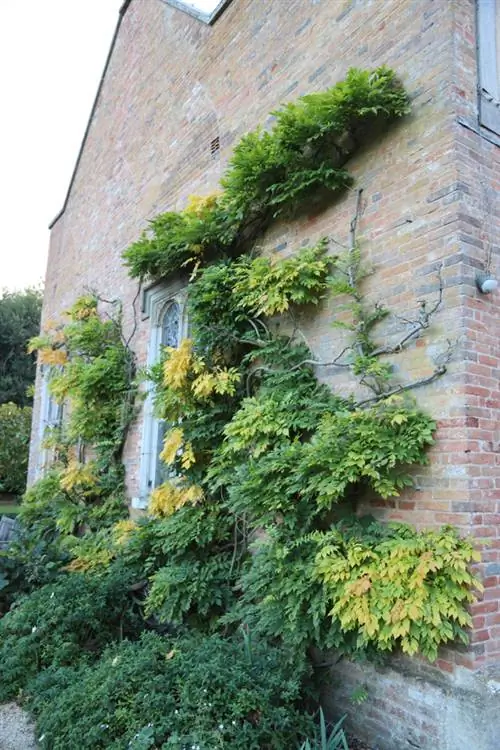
(173, 692)
(257, 527)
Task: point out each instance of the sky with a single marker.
(52, 53)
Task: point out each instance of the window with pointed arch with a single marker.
(167, 327)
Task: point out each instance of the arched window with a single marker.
(166, 312)
(170, 326)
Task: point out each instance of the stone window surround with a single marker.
(156, 300)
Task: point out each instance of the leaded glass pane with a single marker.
(170, 326)
(170, 336)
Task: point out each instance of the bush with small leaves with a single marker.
(174, 693)
(63, 622)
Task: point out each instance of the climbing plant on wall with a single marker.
(258, 522)
(91, 371)
(255, 435)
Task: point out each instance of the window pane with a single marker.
(170, 336)
(170, 333)
(205, 6)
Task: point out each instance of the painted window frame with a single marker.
(51, 417)
(156, 302)
(488, 53)
(208, 18)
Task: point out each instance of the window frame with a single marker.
(47, 401)
(208, 18)
(488, 20)
(156, 302)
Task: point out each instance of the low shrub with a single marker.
(71, 619)
(187, 692)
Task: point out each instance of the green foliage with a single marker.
(268, 286)
(283, 598)
(290, 460)
(310, 142)
(326, 739)
(94, 374)
(225, 295)
(361, 588)
(272, 172)
(196, 570)
(176, 240)
(91, 371)
(217, 322)
(202, 692)
(399, 587)
(15, 429)
(63, 622)
(19, 321)
(269, 470)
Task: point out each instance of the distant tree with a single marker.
(15, 428)
(19, 320)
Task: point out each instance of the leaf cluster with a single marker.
(272, 172)
(407, 590)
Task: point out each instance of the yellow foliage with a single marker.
(361, 586)
(122, 530)
(204, 385)
(174, 446)
(93, 561)
(178, 365)
(169, 497)
(171, 445)
(49, 356)
(77, 475)
(84, 308)
(221, 381)
(188, 457)
(198, 205)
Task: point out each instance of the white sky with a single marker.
(52, 54)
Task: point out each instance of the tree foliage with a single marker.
(15, 429)
(19, 322)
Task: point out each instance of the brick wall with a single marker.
(430, 184)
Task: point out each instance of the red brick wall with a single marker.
(429, 184)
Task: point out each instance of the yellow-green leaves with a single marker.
(409, 590)
(269, 285)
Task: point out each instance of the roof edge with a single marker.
(121, 14)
